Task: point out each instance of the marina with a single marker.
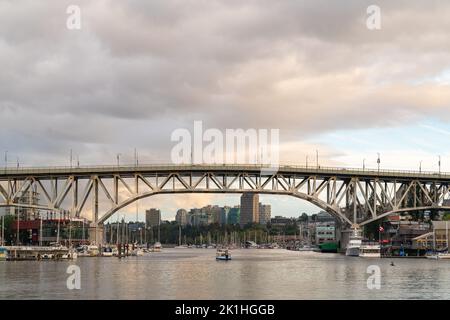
(173, 273)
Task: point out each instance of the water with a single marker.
(252, 274)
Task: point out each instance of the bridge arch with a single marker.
(319, 203)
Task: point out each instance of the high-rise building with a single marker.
(224, 215)
(234, 215)
(249, 208)
(152, 217)
(264, 213)
(181, 217)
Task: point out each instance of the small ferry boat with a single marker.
(354, 245)
(3, 253)
(223, 254)
(370, 251)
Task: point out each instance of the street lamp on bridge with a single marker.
(364, 164)
(439, 163)
(118, 159)
(420, 166)
(378, 162)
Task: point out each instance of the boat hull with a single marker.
(352, 252)
(223, 258)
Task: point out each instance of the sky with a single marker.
(138, 70)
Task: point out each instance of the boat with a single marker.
(354, 244)
(329, 247)
(3, 254)
(82, 251)
(439, 255)
(107, 252)
(307, 248)
(72, 254)
(93, 251)
(370, 251)
(157, 247)
(223, 254)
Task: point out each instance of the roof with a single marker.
(423, 236)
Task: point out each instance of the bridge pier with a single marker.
(96, 234)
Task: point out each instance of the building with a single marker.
(264, 213)
(325, 232)
(249, 208)
(224, 215)
(182, 217)
(152, 217)
(30, 197)
(437, 238)
(324, 216)
(202, 216)
(234, 215)
(281, 221)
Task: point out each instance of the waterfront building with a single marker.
(152, 217)
(325, 232)
(182, 217)
(249, 208)
(264, 213)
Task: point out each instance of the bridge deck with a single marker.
(124, 170)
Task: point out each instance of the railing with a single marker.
(281, 167)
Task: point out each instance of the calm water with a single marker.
(252, 274)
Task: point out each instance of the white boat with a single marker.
(72, 254)
(439, 255)
(93, 251)
(157, 247)
(370, 251)
(107, 252)
(307, 248)
(354, 245)
(223, 254)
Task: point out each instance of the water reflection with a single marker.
(252, 274)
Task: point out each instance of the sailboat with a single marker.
(440, 255)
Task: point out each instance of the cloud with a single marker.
(138, 70)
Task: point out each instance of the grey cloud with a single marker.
(139, 69)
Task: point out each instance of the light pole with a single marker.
(364, 164)
(306, 161)
(118, 159)
(420, 166)
(71, 158)
(6, 160)
(378, 162)
(439, 163)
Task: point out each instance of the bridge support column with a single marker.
(96, 234)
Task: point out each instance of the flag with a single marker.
(381, 229)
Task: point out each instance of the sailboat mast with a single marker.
(446, 233)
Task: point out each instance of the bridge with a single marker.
(354, 196)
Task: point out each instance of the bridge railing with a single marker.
(24, 170)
